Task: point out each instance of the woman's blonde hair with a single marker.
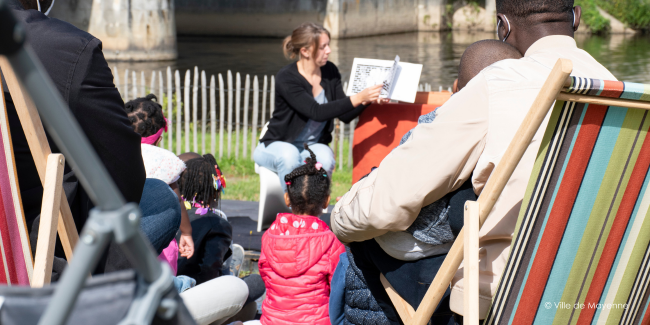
(305, 35)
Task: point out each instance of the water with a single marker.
(626, 56)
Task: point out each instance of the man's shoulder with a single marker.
(43, 30)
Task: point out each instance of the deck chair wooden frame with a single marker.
(466, 246)
(55, 211)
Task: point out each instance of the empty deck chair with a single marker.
(16, 265)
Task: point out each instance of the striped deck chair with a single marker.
(581, 254)
(16, 264)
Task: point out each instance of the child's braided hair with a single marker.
(197, 183)
(308, 187)
(145, 115)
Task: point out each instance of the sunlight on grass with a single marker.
(242, 183)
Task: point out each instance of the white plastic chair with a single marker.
(271, 194)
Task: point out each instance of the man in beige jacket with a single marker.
(468, 137)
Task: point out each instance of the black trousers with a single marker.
(411, 279)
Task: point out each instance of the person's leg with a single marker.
(161, 213)
(410, 279)
(280, 157)
(364, 262)
(216, 300)
(324, 155)
(337, 291)
(161, 217)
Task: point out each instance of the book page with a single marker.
(389, 81)
(366, 73)
(400, 83)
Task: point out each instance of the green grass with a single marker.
(634, 13)
(242, 183)
(596, 23)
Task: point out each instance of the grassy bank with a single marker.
(242, 181)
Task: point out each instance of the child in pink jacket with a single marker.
(300, 252)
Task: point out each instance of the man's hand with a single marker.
(186, 246)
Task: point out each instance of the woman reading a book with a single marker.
(308, 96)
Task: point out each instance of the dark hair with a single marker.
(145, 115)
(306, 35)
(308, 187)
(197, 182)
(482, 54)
(525, 8)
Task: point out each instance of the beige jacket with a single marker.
(470, 133)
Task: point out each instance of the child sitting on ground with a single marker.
(201, 186)
(147, 119)
(300, 252)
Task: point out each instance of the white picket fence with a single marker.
(178, 101)
(187, 121)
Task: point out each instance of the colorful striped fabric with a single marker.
(16, 264)
(580, 254)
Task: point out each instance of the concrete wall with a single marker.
(356, 18)
(137, 30)
(130, 30)
(275, 18)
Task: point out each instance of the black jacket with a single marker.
(295, 104)
(75, 63)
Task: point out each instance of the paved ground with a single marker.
(240, 208)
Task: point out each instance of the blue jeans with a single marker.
(283, 157)
(161, 218)
(337, 291)
(161, 213)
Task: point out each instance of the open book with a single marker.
(399, 79)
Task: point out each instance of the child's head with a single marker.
(308, 187)
(202, 181)
(482, 54)
(146, 116)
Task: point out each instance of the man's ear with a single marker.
(502, 27)
(327, 202)
(287, 201)
(577, 11)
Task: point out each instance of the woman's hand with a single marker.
(366, 96)
(186, 246)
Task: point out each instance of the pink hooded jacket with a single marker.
(299, 255)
